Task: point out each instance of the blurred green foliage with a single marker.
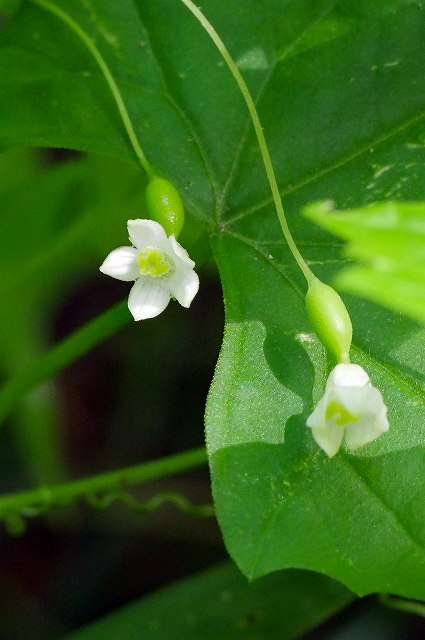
(389, 239)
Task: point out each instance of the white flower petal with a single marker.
(318, 418)
(359, 434)
(147, 299)
(145, 233)
(184, 286)
(372, 423)
(121, 264)
(347, 375)
(350, 407)
(352, 398)
(180, 253)
(329, 437)
(348, 385)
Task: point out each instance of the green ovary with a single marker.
(155, 264)
(339, 414)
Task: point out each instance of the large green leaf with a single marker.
(279, 500)
(220, 603)
(340, 91)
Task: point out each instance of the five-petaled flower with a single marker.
(350, 407)
(159, 265)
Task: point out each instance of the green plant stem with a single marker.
(60, 495)
(63, 354)
(119, 101)
(265, 154)
(407, 606)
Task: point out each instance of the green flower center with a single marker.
(154, 263)
(339, 414)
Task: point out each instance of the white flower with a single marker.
(159, 265)
(350, 407)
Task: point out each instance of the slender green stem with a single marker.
(88, 42)
(407, 606)
(63, 354)
(59, 495)
(259, 133)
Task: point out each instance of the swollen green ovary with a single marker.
(154, 263)
(339, 414)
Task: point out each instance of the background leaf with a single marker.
(221, 602)
(339, 87)
(389, 238)
(51, 234)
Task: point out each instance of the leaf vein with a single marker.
(248, 129)
(342, 162)
(379, 498)
(276, 266)
(181, 112)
